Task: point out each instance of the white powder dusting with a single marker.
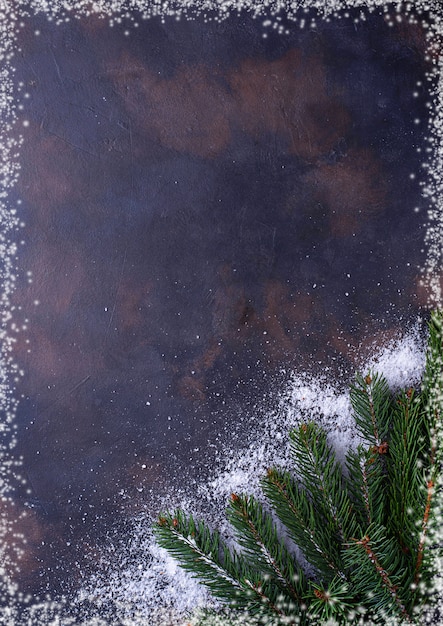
(316, 398)
(154, 590)
(144, 581)
(404, 361)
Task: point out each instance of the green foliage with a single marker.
(364, 531)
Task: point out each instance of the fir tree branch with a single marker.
(424, 530)
(407, 496)
(432, 399)
(432, 386)
(363, 463)
(430, 492)
(371, 402)
(329, 603)
(199, 551)
(381, 571)
(367, 486)
(371, 399)
(387, 583)
(378, 570)
(225, 573)
(323, 478)
(265, 602)
(257, 533)
(297, 513)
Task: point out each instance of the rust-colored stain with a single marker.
(290, 98)
(49, 175)
(353, 191)
(200, 110)
(188, 112)
(193, 385)
(283, 319)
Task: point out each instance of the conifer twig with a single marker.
(424, 530)
(258, 535)
(358, 533)
(298, 515)
(378, 569)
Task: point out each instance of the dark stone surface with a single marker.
(203, 207)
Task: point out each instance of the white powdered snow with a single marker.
(144, 582)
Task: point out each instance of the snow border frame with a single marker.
(12, 15)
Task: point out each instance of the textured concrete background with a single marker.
(203, 207)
